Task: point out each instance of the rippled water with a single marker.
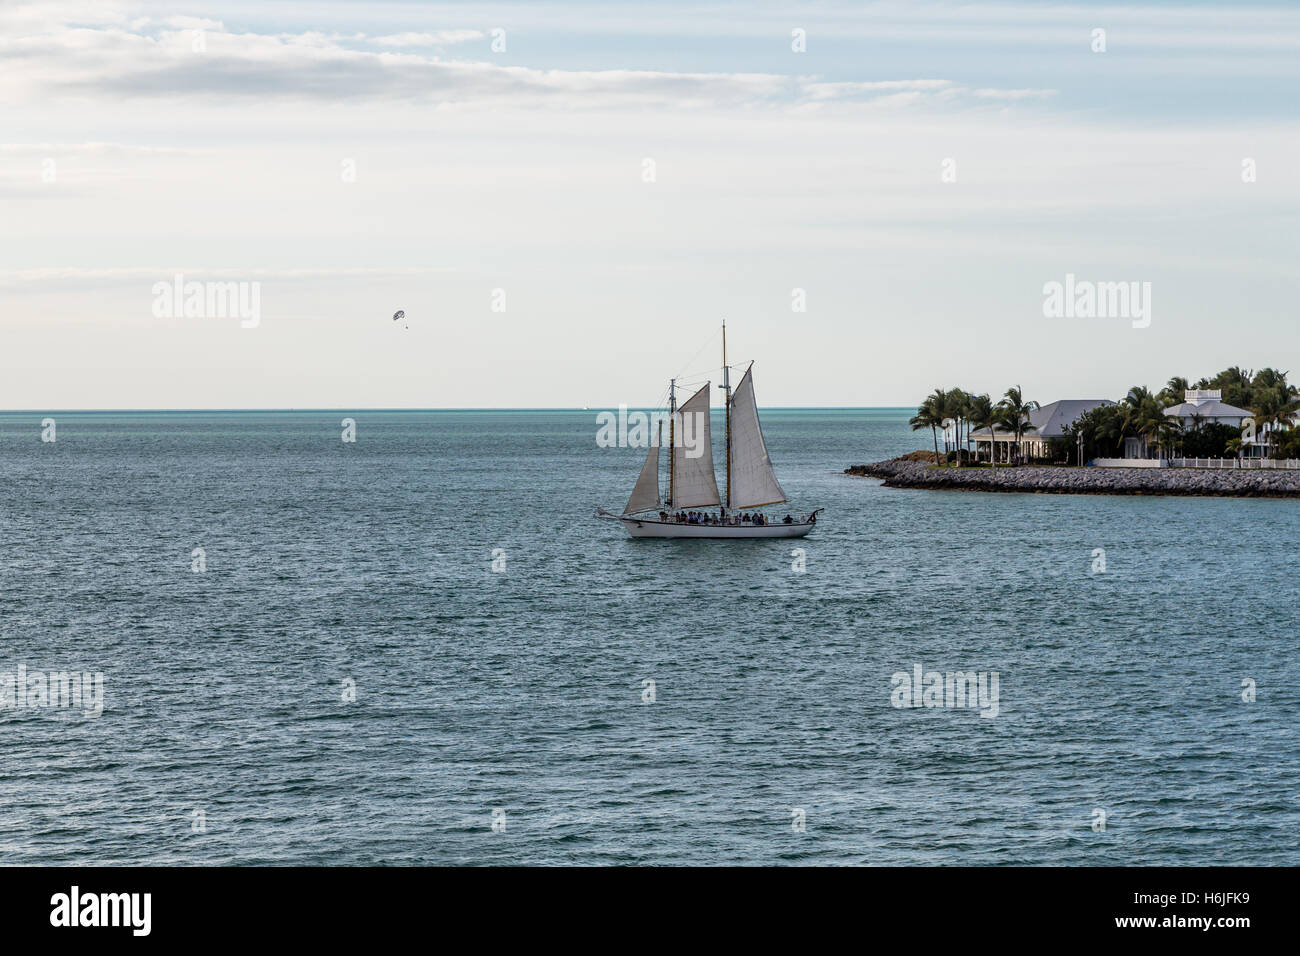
(522, 691)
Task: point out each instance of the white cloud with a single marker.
(114, 62)
(441, 38)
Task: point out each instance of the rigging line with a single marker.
(706, 375)
(714, 338)
(692, 387)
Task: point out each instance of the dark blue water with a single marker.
(522, 690)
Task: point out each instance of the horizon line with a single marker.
(449, 408)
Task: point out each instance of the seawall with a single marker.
(900, 473)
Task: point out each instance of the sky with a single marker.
(567, 199)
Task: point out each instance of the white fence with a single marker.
(1130, 462)
(1233, 464)
(1289, 464)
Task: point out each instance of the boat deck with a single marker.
(651, 527)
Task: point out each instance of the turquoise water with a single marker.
(225, 737)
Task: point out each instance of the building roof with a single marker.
(1051, 421)
(1212, 409)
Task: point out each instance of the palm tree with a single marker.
(1138, 396)
(939, 405)
(1271, 378)
(928, 416)
(1008, 422)
(1174, 392)
(956, 402)
(1289, 443)
(1104, 427)
(1141, 414)
(980, 414)
(1273, 410)
(1234, 383)
(1274, 402)
(1168, 430)
(1014, 415)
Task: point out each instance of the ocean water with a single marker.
(518, 696)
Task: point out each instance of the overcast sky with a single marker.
(359, 158)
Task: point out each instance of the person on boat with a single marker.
(787, 520)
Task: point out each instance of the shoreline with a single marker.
(1035, 479)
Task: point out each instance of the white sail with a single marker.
(694, 485)
(645, 495)
(753, 483)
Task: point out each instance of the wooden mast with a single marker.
(726, 388)
(672, 448)
(659, 443)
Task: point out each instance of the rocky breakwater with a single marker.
(907, 472)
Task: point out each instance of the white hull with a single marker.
(653, 528)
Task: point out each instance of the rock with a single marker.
(905, 473)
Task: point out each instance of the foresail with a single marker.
(694, 484)
(645, 496)
(753, 483)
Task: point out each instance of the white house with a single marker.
(1206, 406)
(1045, 423)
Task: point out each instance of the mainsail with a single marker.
(694, 485)
(645, 495)
(752, 481)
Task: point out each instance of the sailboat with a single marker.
(692, 483)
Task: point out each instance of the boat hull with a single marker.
(651, 528)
